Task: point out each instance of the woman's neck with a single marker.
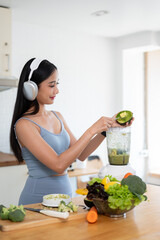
(42, 111)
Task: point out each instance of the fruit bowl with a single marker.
(103, 208)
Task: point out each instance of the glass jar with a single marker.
(118, 145)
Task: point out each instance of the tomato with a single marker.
(127, 174)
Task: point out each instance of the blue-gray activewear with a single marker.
(41, 180)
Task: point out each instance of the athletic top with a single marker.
(59, 142)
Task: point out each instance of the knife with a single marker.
(50, 213)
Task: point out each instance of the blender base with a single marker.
(117, 171)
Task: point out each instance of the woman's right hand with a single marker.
(103, 124)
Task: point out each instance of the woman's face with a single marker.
(48, 89)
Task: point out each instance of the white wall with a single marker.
(153, 59)
(87, 83)
(130, 50)
(133, 99)
(86, 72)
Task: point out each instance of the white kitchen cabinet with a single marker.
(5, 41)
(12, 180)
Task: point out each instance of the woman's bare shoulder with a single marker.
(59, 115)
(24, 123)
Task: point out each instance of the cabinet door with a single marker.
(5, 41)
(12, 180)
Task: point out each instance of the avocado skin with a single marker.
(123, 124)
(88, 203)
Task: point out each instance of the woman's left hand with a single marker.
(116, 124)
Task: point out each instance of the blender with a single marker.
(118, 147)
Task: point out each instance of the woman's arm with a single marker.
(94, 142)
(92, 146)
(29, 137)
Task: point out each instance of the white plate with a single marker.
(49, 205)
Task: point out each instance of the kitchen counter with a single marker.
(141, 223)
(82, 172)
(7, 159)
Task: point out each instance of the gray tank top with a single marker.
(59, 142)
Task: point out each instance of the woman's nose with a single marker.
(56, 89)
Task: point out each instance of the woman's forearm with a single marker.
(71, 154)
(92, 145)
(87, 143)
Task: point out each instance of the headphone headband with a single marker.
(34, 65)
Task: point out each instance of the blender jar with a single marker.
(118, 145)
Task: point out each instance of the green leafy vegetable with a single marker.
(121, 197)
(4, 213)
(13, 213)
(112, 179)
(16, 215)
(98, 180)
(135, 185)
(70, 207)
(1, 206)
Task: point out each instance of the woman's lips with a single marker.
(52, 98)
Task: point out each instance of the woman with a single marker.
(42, 138)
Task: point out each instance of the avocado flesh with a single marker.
(122, 159)
(118, 157)
(124, 116)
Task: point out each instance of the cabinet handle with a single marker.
(8, 62)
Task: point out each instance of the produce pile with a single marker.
(13, 213)
(70, 207)
(119, 194)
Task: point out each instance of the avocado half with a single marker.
(88, 203)
(124, 116)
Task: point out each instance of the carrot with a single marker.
(92, 215)
(127, 174)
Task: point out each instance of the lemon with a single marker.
(105, 180)
(106, 186)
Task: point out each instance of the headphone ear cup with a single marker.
(30, 90)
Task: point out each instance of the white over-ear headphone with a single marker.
(30, 88)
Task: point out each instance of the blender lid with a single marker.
(119, 129)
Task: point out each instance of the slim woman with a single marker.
(42, 138)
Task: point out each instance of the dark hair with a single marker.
(22, 105)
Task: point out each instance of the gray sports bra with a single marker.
(59, 142)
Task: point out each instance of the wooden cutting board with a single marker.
(34, 219)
